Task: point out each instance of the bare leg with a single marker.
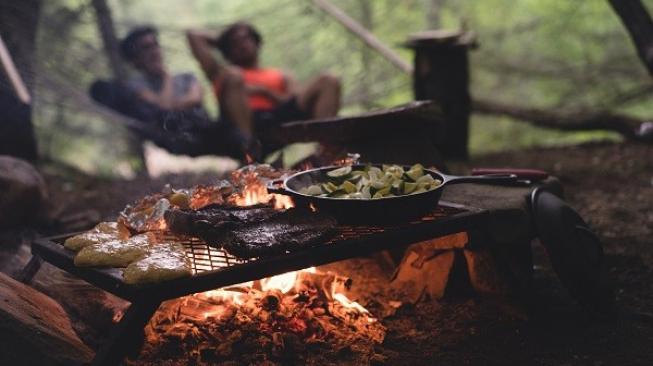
(232, 101)
(321, 97)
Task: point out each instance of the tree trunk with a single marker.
(433, 11)
(111, 49)
(636, 19)
(625, 125)
(441, 73)
(18, 25)
(366, 54)
(109, 39)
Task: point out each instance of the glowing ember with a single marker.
(117, 316)
(257, 319)
(162, 225)
(350, 159)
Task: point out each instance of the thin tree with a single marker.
(18, 25)
(110, 43)
(109, 39)
(637, 20)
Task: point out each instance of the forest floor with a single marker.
(610, 185)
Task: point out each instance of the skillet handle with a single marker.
(531, 174)
(487, 179)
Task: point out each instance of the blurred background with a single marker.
(556, 55)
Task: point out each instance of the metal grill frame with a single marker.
(349, 242)
(205, 258)
(219, 269)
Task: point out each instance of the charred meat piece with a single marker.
(293, 229)
(211, 223)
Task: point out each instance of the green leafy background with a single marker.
(561, 55)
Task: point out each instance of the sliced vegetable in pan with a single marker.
(373, 182)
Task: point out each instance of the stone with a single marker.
(22, 192)
(417, 277)
(510, 218)
(484, 275)
(15, 250)
(35, 329)
(425, 267)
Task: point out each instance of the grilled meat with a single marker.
(253, 231)
(213, 222)
(290, 230)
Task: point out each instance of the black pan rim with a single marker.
(442, 178)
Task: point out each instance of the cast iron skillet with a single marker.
(379, 210)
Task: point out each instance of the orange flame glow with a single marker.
(248, 158)
(306, 165)
(255, 192)
(117, 316)
(162, 225)
(284, 283)
(344, 301)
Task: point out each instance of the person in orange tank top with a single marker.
(255, 97)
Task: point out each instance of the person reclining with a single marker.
(169, 105)
(256, 97)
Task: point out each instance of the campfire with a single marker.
(270, 320)
(303, 317)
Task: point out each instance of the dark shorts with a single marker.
(189, 132)
(285, 112)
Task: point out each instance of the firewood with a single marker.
(36, 330)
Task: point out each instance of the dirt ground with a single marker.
(610, 185)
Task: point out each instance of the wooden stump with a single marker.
(22, 192)
(441, 73)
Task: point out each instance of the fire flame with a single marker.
(162, 225)
(307, 304)
(255, 192)
(284, 283)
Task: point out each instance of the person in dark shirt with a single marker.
(170, 105)
(154, 83)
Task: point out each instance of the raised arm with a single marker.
(200, 46)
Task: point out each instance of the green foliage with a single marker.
(566, 55)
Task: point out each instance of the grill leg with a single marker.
(127, 333)
(30, 269)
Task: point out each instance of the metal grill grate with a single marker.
(206, 258)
